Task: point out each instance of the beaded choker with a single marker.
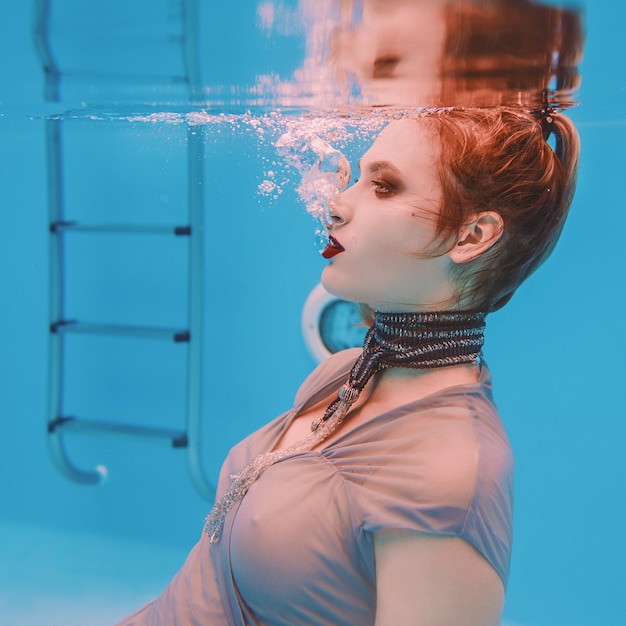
(414, 340)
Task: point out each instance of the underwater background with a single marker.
(83, 554)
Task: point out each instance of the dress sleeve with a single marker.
(442, 471)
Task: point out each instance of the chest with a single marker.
(293, 550)
(363, 410)
(370, 404)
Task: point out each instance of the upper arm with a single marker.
(424, 580)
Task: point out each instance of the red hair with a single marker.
(498, 159)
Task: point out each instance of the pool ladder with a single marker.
(59, 424)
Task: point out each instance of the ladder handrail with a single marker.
(191, 57)
(56, 445)
(195, 157)
(44, 51)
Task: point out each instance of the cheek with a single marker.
(418, 236)
(406, 238)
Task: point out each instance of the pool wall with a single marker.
(555, 353)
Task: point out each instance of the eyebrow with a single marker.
(380, 165)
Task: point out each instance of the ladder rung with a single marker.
(87, 426)
(147, 229)
(73, 326)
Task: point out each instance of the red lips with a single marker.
(333, 248)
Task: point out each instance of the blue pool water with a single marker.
(87, 555)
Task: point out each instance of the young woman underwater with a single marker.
(384, 496)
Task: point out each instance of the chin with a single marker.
(334, 287)
(345, 292)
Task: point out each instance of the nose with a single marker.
(335, 213)
(334, 217)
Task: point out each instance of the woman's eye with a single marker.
(381, 187)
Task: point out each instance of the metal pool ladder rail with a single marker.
(59, 424)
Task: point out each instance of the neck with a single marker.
(424, 340)
(394, 384)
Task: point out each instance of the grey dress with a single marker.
(299, 548)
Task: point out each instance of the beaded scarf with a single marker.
(413, 340)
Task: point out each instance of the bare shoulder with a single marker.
(434, 581)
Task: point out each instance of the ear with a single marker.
(477, 236)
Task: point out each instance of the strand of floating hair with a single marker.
(241, 482)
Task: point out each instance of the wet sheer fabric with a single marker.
(299, 548)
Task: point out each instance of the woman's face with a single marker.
(386, 224)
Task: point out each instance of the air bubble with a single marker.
(321, 239)
(313, 144)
